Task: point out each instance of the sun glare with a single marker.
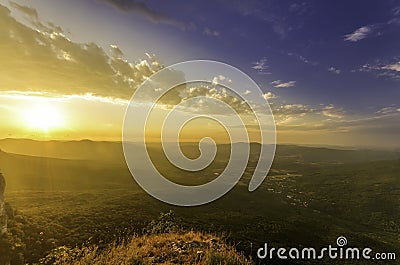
(43, 117)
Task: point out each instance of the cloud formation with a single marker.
(389, 70)
(393, 67)
(376, 29)
(388, 110)
(32, 17)
(292, 114)
(45, 60)
(358, 34)
(281, 84)
(56, 67)
(30, 12)
(269, 95)
(261, 65)
(334, 70)
(293, 109)
(280, 20)
(209, 32)
(303, 59)
(216, 92)
(332, 112)
(142, 9)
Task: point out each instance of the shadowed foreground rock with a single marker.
(3, 215)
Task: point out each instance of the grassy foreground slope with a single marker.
(168, 248)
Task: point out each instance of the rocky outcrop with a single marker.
(3, 215)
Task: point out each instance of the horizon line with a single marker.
(316, 145)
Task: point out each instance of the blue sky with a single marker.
(308, 42)
(338, 58)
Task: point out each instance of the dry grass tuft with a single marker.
(168, 248)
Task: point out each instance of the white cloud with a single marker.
(334, 70)
(332, 112)
(209, 32)
(281, 84)
(394, 67)
(63, 55)
(261, 65)
(292, 109)
(220, 79)
(246, 92)
(216, 92)
(215, 81)
(91, 97)
(291, 113)
(116, 51)
(388, 70)
(358, 34)
(53, 97)
(269, 95)
(388, 110)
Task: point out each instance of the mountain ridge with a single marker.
(112, 151)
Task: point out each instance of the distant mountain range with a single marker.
(76, 150)
(112, 152)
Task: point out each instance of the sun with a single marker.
(44, 117)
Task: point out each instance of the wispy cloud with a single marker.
(393, 67)
(291, 113)
(54, 97)
(376, 29)
(261, 65)
(294, 109)
(265, 11)
(359, 34)
(209, 32)
(281, 84)
(396, 11)
(247, 92)
(299, 8)
(332, 112)
(33, 17)
(30, 12)
(302, 58)
(312, 122)
(388, 69)
(334, 70)
(388, 110)
(310, 117)
(142, 8)
(215, 92)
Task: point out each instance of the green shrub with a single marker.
(165, 223)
